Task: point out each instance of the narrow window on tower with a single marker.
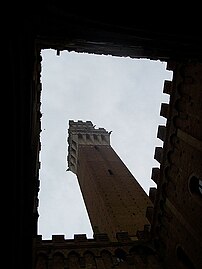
(110, 172)
(195, 186)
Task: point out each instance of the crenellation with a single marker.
(103, 253)
(155, 176)
(158, 154)
(161, 133)
(123, 237)
(80, 238)
(58, 238)
(170, 65)
(152, 194)
(101, 237)
(167, 88)
(164, 112)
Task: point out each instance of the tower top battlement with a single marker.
(83, 133)
(85, 127)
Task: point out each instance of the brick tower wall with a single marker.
(114, 200)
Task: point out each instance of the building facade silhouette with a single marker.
(131, 229)
(173, 238)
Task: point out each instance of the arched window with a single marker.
(89, 260)
(107, 258)
(73, 260)
(195, 186)
(58, 261)
(120, 254)
(41, 261)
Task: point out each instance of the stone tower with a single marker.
(114, 200)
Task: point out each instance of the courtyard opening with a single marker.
(122, 95)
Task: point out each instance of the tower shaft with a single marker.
(114, 200)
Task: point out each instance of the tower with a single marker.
(114, 200)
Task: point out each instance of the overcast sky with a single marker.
(122, 95)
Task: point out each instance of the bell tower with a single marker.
(114, 200)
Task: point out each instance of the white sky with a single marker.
(119, 94)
